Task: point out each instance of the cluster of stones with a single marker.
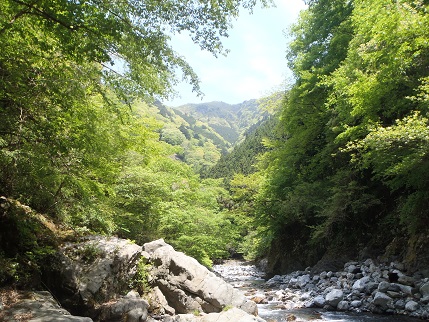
(360, 287)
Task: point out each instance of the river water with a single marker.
(251, 281)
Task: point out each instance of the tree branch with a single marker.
(44, 14)
(10, 23)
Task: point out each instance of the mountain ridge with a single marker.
(228, 120)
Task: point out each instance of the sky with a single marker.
(256, 64)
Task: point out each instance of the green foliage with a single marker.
(194, 223)
(244, 157)
(172, 136)
(90, 252)
(140, 281)
(26, 245)
(227, 308)
(397, 154)
(229, 122)
(352, 153)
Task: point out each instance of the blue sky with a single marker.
(256, 64)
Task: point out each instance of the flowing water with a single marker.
(251, 281)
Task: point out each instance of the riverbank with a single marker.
(361, 287)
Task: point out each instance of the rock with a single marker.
(382, 300)
(400, 304)
(370, 287)
(259, 300)
(360, 284)
(334, 297)
(291, 318)
(93, 271)
(353, 269)
(408, 290)
(397, 266)
(319, 301)
(412, 306)
(39, 307)
(233, 314)
(343, 306)
(305, 296)
(383, 286)
(406, 280)
(158, 302)
(188, 286)
(128, 308)
(424, 289)
(356, 303)
(303, 280)
(393, 294)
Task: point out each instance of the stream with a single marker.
(250, 280)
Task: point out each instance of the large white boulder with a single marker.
(94, 271)
(188, 286)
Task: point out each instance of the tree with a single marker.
(299, 163)
(129, 32)
(380, 97)
(67, 68)
(350, 169)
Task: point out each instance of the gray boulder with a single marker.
(408, 290)
(412, 306)
(188, 286)
(233, 314)
(319, 301)
(424, 289)
(360, 284)
(343, 306)
(130, 308)
(383, 286)
(303, 280)
(334, 297)
(39, 307)
(94, 271)
(381, 300)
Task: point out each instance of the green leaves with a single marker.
(397, 154)
(384, 64)
(353, 150)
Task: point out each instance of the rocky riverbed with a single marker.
(361, 287)
(111, 279)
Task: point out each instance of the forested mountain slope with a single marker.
(244, 156)
(230, 121)
(196, 132)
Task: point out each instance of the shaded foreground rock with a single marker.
(38, 307)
